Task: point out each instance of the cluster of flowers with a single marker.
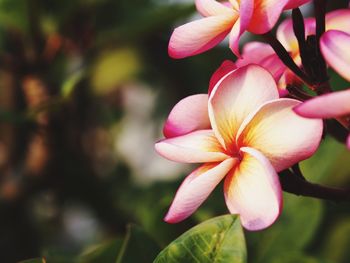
(247, 128)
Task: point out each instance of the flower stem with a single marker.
(286, 58)
(294, 184)
(298, 93)
(299, 32)
(337, 130)
(320, 14)
(323, 85)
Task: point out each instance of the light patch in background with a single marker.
(81, 225)
(137, 133)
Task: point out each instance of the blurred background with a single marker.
(85, 87)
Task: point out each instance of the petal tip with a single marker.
(173, 53)
(258, 224)
(303, 110)
(169, 220)
(172, 218)
(297, 110)
(158, 147)
(235, 50)
(168, 130)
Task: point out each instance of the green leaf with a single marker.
(107, 252)
(34, 260)
(138, 246)
(293, 230)
(337, 243)
(330, 164)
(220, 239)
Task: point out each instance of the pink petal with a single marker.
(253, 191)
(280, 134)
(196, 188)
(235, 96)
(266, 14)
(254, 51)
(263, 55)
(295, 3)
(199, 36)
(235, 35)
(338, 20)
(195, 147)
(348, 142)
(246, 8)
(285, 34)
(331, 105)
(335, 49)
(189, 114)
(274, 65)
(226, 67)
(212, 8)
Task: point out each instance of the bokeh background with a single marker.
(85, 86)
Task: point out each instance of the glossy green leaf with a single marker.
(220, 240)
(138, 246)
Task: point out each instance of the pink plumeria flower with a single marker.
(226, 18)
(338, 19)
(262, 54)
(335, 42)
(241, 132)
(335, 49)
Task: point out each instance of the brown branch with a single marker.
(323, 85)
(294, 184)
(299, 32)
(283, 54)
(320, 15)
(297, 93)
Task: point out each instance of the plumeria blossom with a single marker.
(244, 133)
(263, 54)
(336, 20)
(231, 18)
(335, 42)
(335, 49)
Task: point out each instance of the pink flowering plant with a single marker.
(264, 112)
